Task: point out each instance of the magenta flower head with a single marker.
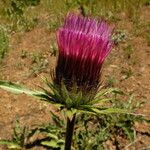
(83, 43)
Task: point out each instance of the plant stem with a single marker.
(69, 132)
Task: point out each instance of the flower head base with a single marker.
(83, 45)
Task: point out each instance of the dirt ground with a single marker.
(127, 70)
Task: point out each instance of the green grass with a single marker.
(128, 50)
(4, 42)
(22, 15)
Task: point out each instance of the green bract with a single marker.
(65, 99)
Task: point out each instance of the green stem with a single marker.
(69, 132)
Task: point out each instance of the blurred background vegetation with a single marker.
(25, 14)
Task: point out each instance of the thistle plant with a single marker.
(84, 43)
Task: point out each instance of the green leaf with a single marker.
(98, 101)
(65, 92)
(60, 141)
(68, 102)
(57, 120)
(15, 88)
(108, 91)
(98, 110)
(110, 111)
(55, 91)
(10, 144)
(52, 143)
(53, 136)
(129, 132)
(69, 114)
(79, 97)
(32, 132)
(18, 89)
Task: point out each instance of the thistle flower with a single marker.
(83, 43)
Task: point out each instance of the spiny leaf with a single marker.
(55, 93)
(78, 97)
(15, 88)
(57, 120)
(108, 91)
(98, 110)
(65, 92)
(98, 101)
(68, 102)
(55, 90)
(110, 111)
